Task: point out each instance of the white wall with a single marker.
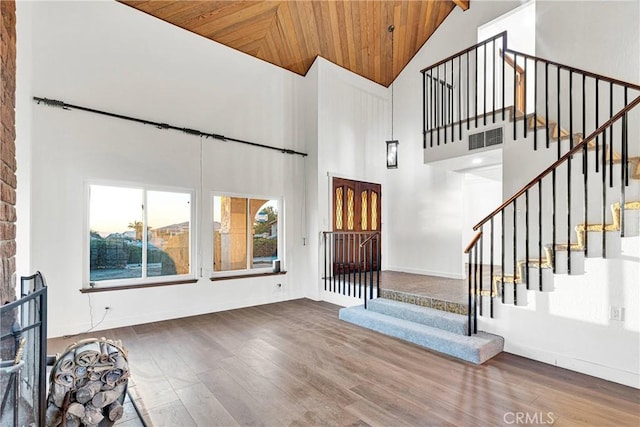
(425, 206)
(520, 25)
(481, 196)
(108, 56)
(353, 124)
(603, 36)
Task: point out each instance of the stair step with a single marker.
(533, 279)
(577, 260)
(477, 348)
(521, 299)
(454, 323)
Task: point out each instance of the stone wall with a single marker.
(7, 151)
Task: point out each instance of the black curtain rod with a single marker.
(65, 106)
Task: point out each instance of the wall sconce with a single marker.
(392, 154)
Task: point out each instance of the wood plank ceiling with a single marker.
(291, 34)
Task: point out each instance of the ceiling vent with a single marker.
(485, 139)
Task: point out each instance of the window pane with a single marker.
(364, 212)
(265, 232)
(350, 208)
(115, 236)
(230, 233)
(374, 210)
(168, 226)
(339, 208)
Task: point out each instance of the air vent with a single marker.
(493, 137)
(485, 139)
(476, 141)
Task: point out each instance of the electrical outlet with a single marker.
(616, 313)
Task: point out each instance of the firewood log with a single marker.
(53, 416)
(104, 352)
(68, 363)
(106, 387)
(121, 363)
(112, 376)
(86, 393)
(67, 380)
(103, 398)
(92, 415)
(72, 421)
(81, 382)
(76, 409)
(80, 371)
(58, 392)
(88, 355)
(115, 411)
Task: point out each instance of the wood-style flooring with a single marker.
(295, 364)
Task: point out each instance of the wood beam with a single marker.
(463, 4)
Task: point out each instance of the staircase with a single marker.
(579, 207)
(437, 330)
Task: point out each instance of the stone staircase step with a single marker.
(454, 323)
(477, 348)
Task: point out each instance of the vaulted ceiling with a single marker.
(291, 34)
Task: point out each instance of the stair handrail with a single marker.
(502, 35)
(561, 160)
(444, 114)
(574, 69)
(473, 242)
(373, 234)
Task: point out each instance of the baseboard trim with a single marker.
(148, 317)
(608, 373)
(339, 299)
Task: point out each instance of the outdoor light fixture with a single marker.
(392, 145)
(392, 154)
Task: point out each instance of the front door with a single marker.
(356, 224)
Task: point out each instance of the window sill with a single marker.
(245, 276)
(142, 285)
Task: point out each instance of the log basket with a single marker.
(88, 384)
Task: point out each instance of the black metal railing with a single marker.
(481, 84)
(522, 237)
(352, 263)
(558, 104)
(24, 382)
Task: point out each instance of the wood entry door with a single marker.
(356, 215)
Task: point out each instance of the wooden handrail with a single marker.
(350, 232)
(576, 70)
(561, 160)
(473, 242)
(520, 81)
(369, 238)
(502, 35)
(511, 62)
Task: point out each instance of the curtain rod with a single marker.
(65, 106)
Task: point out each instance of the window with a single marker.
(139, 235)
(245, 232)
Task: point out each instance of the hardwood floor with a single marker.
(294, 363)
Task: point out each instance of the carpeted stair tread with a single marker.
(477, 348)
(451, 322)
